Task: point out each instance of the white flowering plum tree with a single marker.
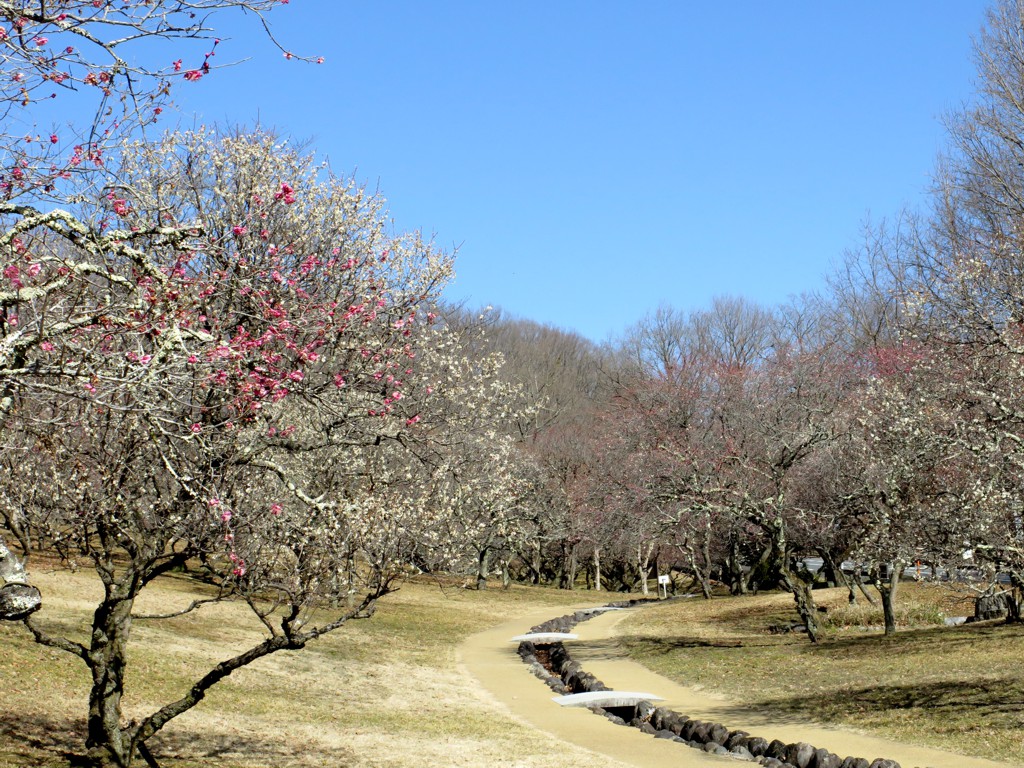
(968, 283)
(214, 397)
(904, 452)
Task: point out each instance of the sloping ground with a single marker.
(382, 693)
(489, 657)
(954, 688)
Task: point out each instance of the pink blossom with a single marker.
(46, 346)
(54, 138)
(239, 230)
(225, 516)
(275, 509)
(413, 420)
(34, 269)
(296, 376)
(120, 207)
(177, 65)
(339, 380)
(40, 41)
(286, 194)
(193, 75)
(196, 428)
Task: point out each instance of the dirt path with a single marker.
(491, 658)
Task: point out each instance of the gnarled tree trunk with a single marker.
(108, 745)
(800, 588)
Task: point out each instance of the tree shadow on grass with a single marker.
(657, 646)
(917, 640)
(996, 703)
(187, 748)
(37, 741)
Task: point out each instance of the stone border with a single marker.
(552, 663)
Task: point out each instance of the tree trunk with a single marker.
(597, 569)
(699, 575)
(804, 599)
(536, 565)
(800, 589)
(859, 582)
(757, 570)
(887, 590)
(482, 566)
(16, 524)
(734, 563)
(570, 576)
(834, 572)
(643, 561)
(107, 744)
(1013, 599)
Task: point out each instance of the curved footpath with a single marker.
(491, 658)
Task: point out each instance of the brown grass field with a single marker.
(956, 688)
(380, 692)
(387, 691)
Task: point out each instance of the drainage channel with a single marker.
(544, 651)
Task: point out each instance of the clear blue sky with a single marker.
(592, 159)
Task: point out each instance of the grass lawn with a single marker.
(958, 688)
(380, 692)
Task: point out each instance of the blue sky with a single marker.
(591, 160)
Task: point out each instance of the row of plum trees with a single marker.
(734, 442)
(880, 421)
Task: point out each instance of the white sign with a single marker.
(664, 579)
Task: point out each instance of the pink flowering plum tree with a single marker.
(205, 378)
(77, 78)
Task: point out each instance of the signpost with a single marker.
(663, 582)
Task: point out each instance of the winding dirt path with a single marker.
(491, 658)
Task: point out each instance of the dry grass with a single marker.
(955, 688)
(382, 692)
